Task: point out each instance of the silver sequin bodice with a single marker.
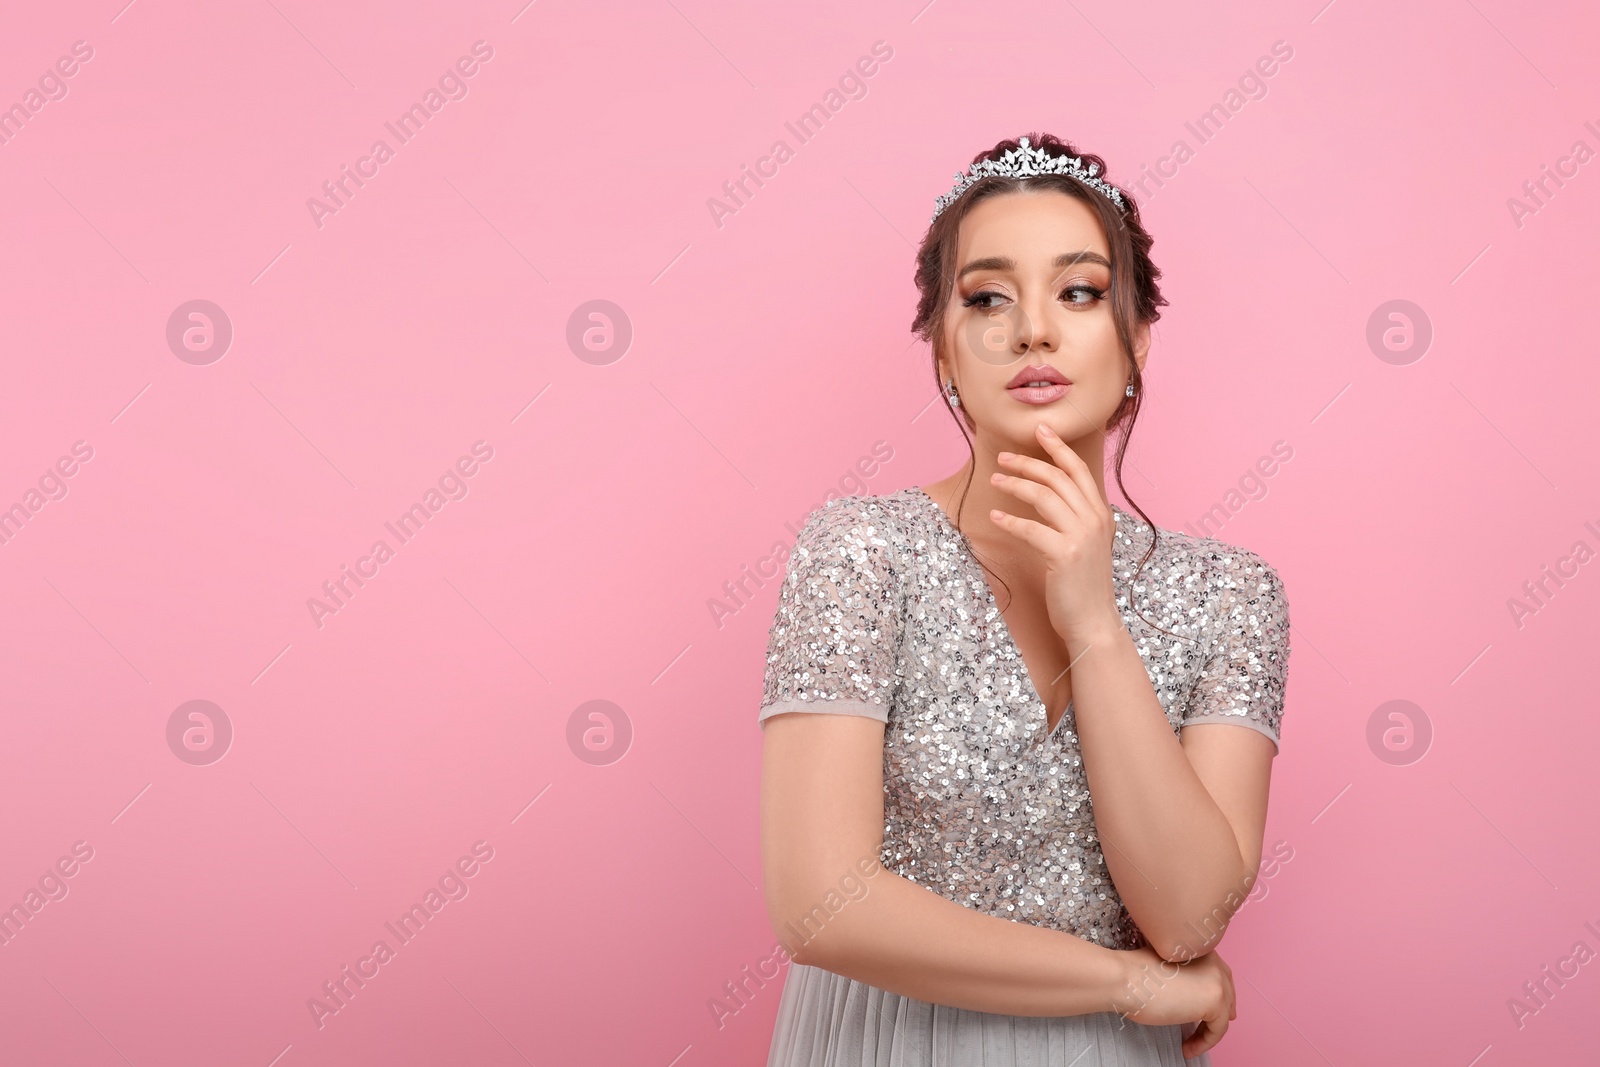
(885, 611)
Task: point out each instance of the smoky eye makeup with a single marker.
(1078, 291)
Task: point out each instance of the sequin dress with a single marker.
(885, 612)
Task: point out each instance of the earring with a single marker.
(950, 393)
(1130, 386)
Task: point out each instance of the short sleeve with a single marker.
(1246, 671)
(834, 642)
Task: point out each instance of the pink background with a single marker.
(768, 356)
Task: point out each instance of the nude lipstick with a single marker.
(1039, 385)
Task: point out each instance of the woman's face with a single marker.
(1033, 292)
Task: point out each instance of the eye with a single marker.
(1096, 295)
(1080, 295)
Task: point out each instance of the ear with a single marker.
(1141, 344)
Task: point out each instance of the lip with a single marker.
(1039, 394)
(1041, 373)
(1019, 388)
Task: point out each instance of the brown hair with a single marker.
(1135, 296)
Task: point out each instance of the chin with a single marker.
(1066, 420)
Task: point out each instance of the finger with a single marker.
(1197, 1042)
(1218, 1034)
(1205, 1037)
(1074, 466)
(1034, 533)
(1069, 460)
(1051, 475)
(1215, 1034)
(1044, 499)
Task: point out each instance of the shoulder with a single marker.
(1228, 577)
(1243, 585)
(864, 518)
(862, 531)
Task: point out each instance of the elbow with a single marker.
(1182, 946)
(821, 917)
(1202, 924)
(1196, 935)
(805, 952)
(803, 926)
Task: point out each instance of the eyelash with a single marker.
(973, 300)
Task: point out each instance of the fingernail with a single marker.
(1048, 432)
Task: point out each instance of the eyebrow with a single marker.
(1065, 259)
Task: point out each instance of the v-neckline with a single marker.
(1005, 627)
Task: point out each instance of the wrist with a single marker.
(1139, 974)
(1099, 631)
(1127, 992)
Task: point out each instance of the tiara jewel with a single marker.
(1029, 162)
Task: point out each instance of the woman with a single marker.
(935, 869)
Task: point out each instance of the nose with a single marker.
(1038, 329)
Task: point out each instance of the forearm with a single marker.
(904, 938)
(1170, 850)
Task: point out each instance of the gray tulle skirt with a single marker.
(828, 1020)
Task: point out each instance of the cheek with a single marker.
(970, 329)
(1100, 340)
(1103, 327)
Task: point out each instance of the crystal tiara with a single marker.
(1029, 162)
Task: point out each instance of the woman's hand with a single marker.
(1161, 993)
(1074, 539)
